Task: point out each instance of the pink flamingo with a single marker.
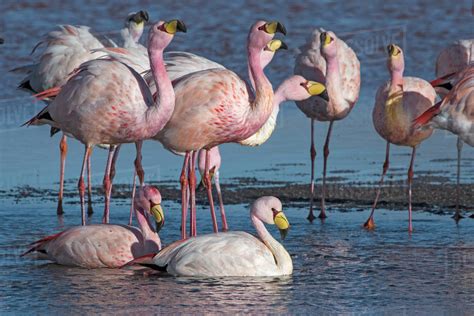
(455, 113)
(450, 61)
(213, 107)
(65, 50)
(397, 103)
(107, 102)
(107, 245)
(327, 59)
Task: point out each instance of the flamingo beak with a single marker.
(316, 88)
(174, 26)
(393, 50)
(275, 45)
(282, 223)
(159, 216)
(273, 27)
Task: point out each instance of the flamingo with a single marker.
(65, 50)
(455, 113)
(213, 107)
(398, 102)
(451, 60)
(230, 253)
(107, 245)
(107, 102)
(329, 60)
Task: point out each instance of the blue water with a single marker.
(339, 268)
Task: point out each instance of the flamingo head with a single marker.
(148, 201)
(135, 23)
(328, 44)
(263, 32)
(270, 49)
(269, 210)
(395, 61)
(297, 88)
(162, 33)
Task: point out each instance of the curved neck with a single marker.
(159, 114)
(150, 237)
(333, 79)
(282, 257)
(396, 80)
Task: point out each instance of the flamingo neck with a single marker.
(151, 240)
(396, 81)
(160, 113)
(282, 257)
(333, 80)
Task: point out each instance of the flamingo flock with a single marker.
(105, 95)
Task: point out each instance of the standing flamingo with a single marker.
(66, 49)
(230, 253)
(398, 102)
(107, 102)
(455, 113)
(451, 60)
(107, 245)
(213, 107)
(327, 59)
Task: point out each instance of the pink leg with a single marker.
(457, 216)
(114, 162)
(410, 180)
(192, 193)
(311, 190)
(184, 198)
(221, 202)
(138, 163)
(208, 185)
(130, 219)
(81, 186)
(63, 152)
(108, 184)
(322, 215)
(369, 224)
(89, 188)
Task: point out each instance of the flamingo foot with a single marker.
(457, 217)
(472, 215)
(310, 217)
(369, 224)
(322, 215)
(90, 210)
(60, 210)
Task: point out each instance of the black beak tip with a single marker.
(2, 41)
(325, 95)
(283, 45)
(281, 28)
(144, 15)
(182, 27)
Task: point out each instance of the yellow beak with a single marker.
(174, 26)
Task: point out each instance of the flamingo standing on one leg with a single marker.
(397, 103)
(327, 59)
(455, 113)
(107, 245)
(230, 253)
(66, 49)
(451, 60)
(107, 102)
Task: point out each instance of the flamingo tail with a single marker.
(146, 261)
(36, 246)
(426, 117)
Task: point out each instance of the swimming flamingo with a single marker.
(107, 245)
(398, 102)
(230, 253)
(327, 59)
(66, 49)
(451, 60)
(455, 113)
(107, 102)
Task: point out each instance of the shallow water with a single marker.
(338, 266)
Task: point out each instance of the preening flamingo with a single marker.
(451, 60)
(107, 102)
(398, 102)
(329, 60)
(455, 113)
(64, 50)
(215, 106)
(231, 253)
(107, 245)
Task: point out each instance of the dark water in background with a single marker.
(338, 266)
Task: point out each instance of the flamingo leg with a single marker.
(108, 184)
(90, 210)
(63, 152)
(312, 152)
(114, 162)
(225, 227)
(192, 193)
(138, 163)
(369, 224)
(322, 214)
(134, 184)
(410, 180)
(457, 216)
(80, 184)
(208, 185)
(184, 198)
